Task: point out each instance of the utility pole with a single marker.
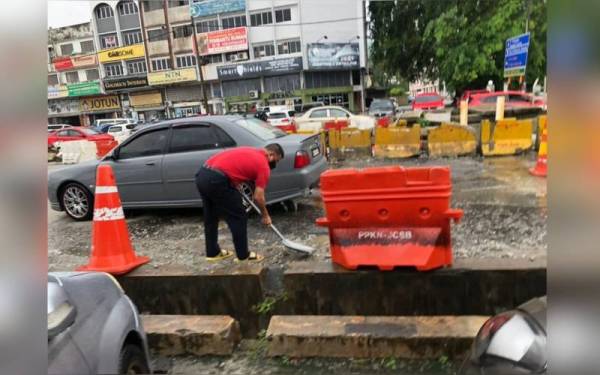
(199, 64)
(366, 70)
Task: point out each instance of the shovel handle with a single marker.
(258, 211)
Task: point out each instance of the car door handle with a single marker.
(150, 163)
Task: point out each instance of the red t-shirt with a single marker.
(242, 164)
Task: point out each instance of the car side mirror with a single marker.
(347, 115)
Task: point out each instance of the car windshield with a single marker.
(114, 129)
(427, 99)
(382, 105)
(89, 131)
(277, 115)
(260, 128)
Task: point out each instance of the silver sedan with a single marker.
(155, 167)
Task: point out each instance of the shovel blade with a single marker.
(304, 249)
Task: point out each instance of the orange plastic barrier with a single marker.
(111, 247)
(335, 124)
(104, 147)
(389, 216)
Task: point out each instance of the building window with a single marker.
(113, 70)
(92, 75)
(283, 15)
(263, 50)
(87, 46)
(150, 5)
(216, 90)
(157, 34)
(235, 21)
(288, 46)
(132, 37)
(52, 80)
(262, 18)
(332, 99)
(184, 31)
(66, 49)
(213, 59)
(185, 61)
(108, 41)
(104, 11)
(127, 7)
(136, 66)
(207, 25)
(161, 64)
(177, 3)
(72, 77)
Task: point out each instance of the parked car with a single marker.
(428, 100)
(312, 119)
(93, 327)
(102, 125)
(512, 99)
(468, 94)
(382, 108)
(155, 167)
(78, 134)
(54, 127)
(284, 120)
(121, 130)
(513, 342)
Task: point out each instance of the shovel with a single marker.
(304, 249)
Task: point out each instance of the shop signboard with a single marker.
(202, 8)
(64, 107)
(84, 60)
(222, 41)
(172, 76)
(99, 103)
(122, 53)
(323, 56)
(260, 68)
(125, 83)
(62, 63)
(146, 99)
(60, 91)
(84, 88)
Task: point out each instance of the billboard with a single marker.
(125, 83)
(515, 55)
(260, 68)
(99, 103)
(172, 76)
(333, 56)
(122, 53)
(221, 41)
(202, 8)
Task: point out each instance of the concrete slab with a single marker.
(191, 334)
(417, 337)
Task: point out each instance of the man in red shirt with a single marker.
(217, 182)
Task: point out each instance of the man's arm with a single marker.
(259, 198)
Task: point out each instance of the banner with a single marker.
(99, 103)
(172, 76)
(122, 53)
(145, 99)
(62, 63)
(84, 60)
(55, 92)
(260, 68)
(84, 88)
(333, 56)
(202, 8)
(221, 41)
(125, 83)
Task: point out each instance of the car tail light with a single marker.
(285, 120)
(302, 159)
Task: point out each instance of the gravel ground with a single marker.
(505, 217)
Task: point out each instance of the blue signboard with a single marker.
(515, 55)
(202, 8)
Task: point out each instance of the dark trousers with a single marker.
(221, 199)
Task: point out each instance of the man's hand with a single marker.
(266, 219)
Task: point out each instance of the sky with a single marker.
(68, 12)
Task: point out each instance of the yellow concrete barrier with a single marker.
(506, 137)
(397, 142)
(349, 138)
(451, 140)
(401, 123)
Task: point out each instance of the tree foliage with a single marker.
(460, 42)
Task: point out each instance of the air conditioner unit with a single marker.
(242, 55)
(253, 94)
(261, 53)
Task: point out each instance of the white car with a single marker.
(284, 120)
(121, 130)
(313, 119)
(53, 127)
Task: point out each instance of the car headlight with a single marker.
(512, 337)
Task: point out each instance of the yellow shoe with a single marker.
(224, 254)
(252, 257)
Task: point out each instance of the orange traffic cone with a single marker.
(541, 167)
(111, 247)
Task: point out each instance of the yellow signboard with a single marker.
(99, 103)
(122, 53)
(146, 99)
(172, 76)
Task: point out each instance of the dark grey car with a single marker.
(93, 327)
(382, 108)
(155, 167)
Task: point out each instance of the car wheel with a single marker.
(77, 201)
(132, 361)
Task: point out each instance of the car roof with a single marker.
(498, 93)
(428, 94)
(217, 119)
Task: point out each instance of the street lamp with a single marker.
(357, 37)
(321, 38)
